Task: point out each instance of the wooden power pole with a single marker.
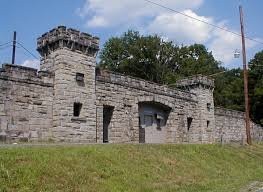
(245, 77)
(14, 48)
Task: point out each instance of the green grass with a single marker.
(130, 168)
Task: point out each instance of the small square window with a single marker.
(80, 77)
(76, 109)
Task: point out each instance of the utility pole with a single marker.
(14, 48)
(245, 77)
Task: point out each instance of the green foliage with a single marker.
(151, 58)
(147, 57)
(195, 59)
(256, 87)
(229, 90)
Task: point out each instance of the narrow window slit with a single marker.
(189, 122)
(207, 123)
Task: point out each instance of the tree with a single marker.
(147, 57)
(195, 59)
(256, 87)
(229, 90)
(151, 58)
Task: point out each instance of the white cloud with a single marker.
(224, 44)
(183, 30)
(34, 63)
(103, 13)
(139, 14)
(97, 21)
(180, 28)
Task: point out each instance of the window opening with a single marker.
(76, 109)
(80, 77)
(189, 122)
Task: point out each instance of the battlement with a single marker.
(18, 73)
(62, 37)
(196, 81)
(141, 84)
(14, 70)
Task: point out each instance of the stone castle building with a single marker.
(68, 100)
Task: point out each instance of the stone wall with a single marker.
(125, 93)
(67, 101)
(25, 103)
(256, 132)
(230, 127)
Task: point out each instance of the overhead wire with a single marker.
(170, 9)
(4, 47)
(217, 73)
(5, 43)
(33, 55)
(205, 22)
(254, 65)
(23, 51)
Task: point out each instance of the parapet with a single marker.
(62, 37)
(195, 81)
(17, 73)
(219, 111)
(143, 85)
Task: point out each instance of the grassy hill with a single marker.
(130, 168)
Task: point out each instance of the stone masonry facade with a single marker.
(68, 100)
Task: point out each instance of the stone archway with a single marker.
(152, 121)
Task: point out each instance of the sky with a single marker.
(108, 18)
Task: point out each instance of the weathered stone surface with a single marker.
(126, 93)
(67, 101)
(22, 94)
(230, 127)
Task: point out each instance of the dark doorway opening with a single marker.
(153, 117)
(107, 115)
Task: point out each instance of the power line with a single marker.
(6, 43)
(23, 51)
(4, 47)
(228, 71)
(255, 66)
(217, 73)
(213, 25)
(1, 48)
(27, 50)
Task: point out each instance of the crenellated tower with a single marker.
(71, 56)
(202, 87)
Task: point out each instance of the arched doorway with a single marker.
(152, 122)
